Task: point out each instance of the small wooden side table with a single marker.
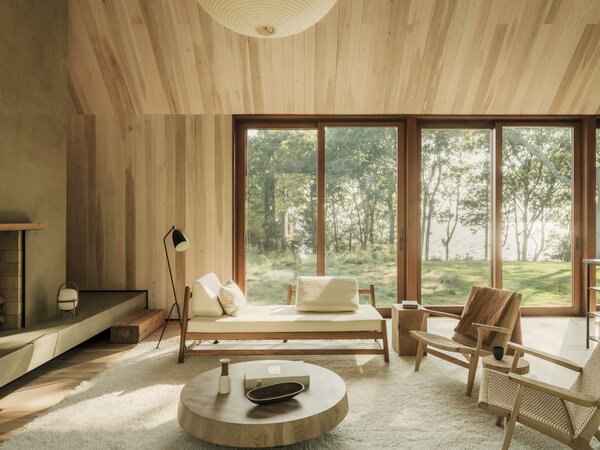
(504, 365)
(403, 322)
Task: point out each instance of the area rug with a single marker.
(133, 405)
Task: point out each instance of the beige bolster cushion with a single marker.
(205, 297)
(327, 294)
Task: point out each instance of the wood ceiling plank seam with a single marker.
(473, 50)
(128, 54)
(373, 97)
(586, 83)
(244, 57)
(149, 15)
(360, 102)
(236, 68)
(487, 41)
(417, 33)
(255, 70)
(299, 78)
(192, 82)
(555, 22)
(353, 73)
(288, 75)
(435, 48)
(395, 59)
(325, 66)
(223, 70)
(99, 70)
(443, 95)
(176, 63)
(309, 69)
(572, 68)
(276, 71)
(524, 62)
(200, 25)
(349, 17)
(566, 43)
(112, 50)
(485, 91)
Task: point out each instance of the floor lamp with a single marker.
(181, 244)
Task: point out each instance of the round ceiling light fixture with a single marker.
(267, 18)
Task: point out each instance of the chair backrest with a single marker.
(476, 311)
(588, 382)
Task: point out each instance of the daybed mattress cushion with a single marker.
(327, 294)
(285, 318)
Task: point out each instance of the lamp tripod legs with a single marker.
(174, 305)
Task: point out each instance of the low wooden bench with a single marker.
(137, 326)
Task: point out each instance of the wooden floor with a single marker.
(29, 396)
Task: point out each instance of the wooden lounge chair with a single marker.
(571, 416)
(487, 336)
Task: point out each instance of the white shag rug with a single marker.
(133, 405)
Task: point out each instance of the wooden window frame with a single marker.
(409, 162)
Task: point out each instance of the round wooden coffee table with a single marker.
(234, 421)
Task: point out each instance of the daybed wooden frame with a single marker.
(333, 335)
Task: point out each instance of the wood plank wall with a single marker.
(130, 177)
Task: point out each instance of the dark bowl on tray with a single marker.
(273, 393)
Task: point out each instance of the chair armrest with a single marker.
(491, 328)
(518, 348)
(440, 314)
(565, 394)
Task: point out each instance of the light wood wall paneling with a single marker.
(130, 178)
(364, 57)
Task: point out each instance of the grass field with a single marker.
(442, 283)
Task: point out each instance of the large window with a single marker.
(537, 213)
(320, 206)
(360, 206)
(281, 197)
(455, 213)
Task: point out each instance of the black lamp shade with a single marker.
(180, 241)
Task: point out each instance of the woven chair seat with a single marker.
(444, 343)
(498, 393)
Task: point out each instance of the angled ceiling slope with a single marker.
(363, 57)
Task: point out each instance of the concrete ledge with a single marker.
(25, 349)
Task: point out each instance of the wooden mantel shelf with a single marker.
(22, 226)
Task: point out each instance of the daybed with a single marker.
(279, 322)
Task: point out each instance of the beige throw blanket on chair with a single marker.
(487, 306)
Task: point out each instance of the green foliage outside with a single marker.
(443, 283)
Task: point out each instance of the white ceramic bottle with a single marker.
(224, 379)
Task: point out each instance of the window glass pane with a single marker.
(281, 205)
(360, 202)
(455, 213)
(537, 213)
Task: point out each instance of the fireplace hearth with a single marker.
(12, 273)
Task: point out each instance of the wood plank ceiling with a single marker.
(364, 57)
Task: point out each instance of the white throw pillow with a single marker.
(232, 299)
(327, 294)
(205, 299)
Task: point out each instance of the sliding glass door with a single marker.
(320, 199)
(537, 213)
(361, 206)
(455, 213)
(280, 204)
